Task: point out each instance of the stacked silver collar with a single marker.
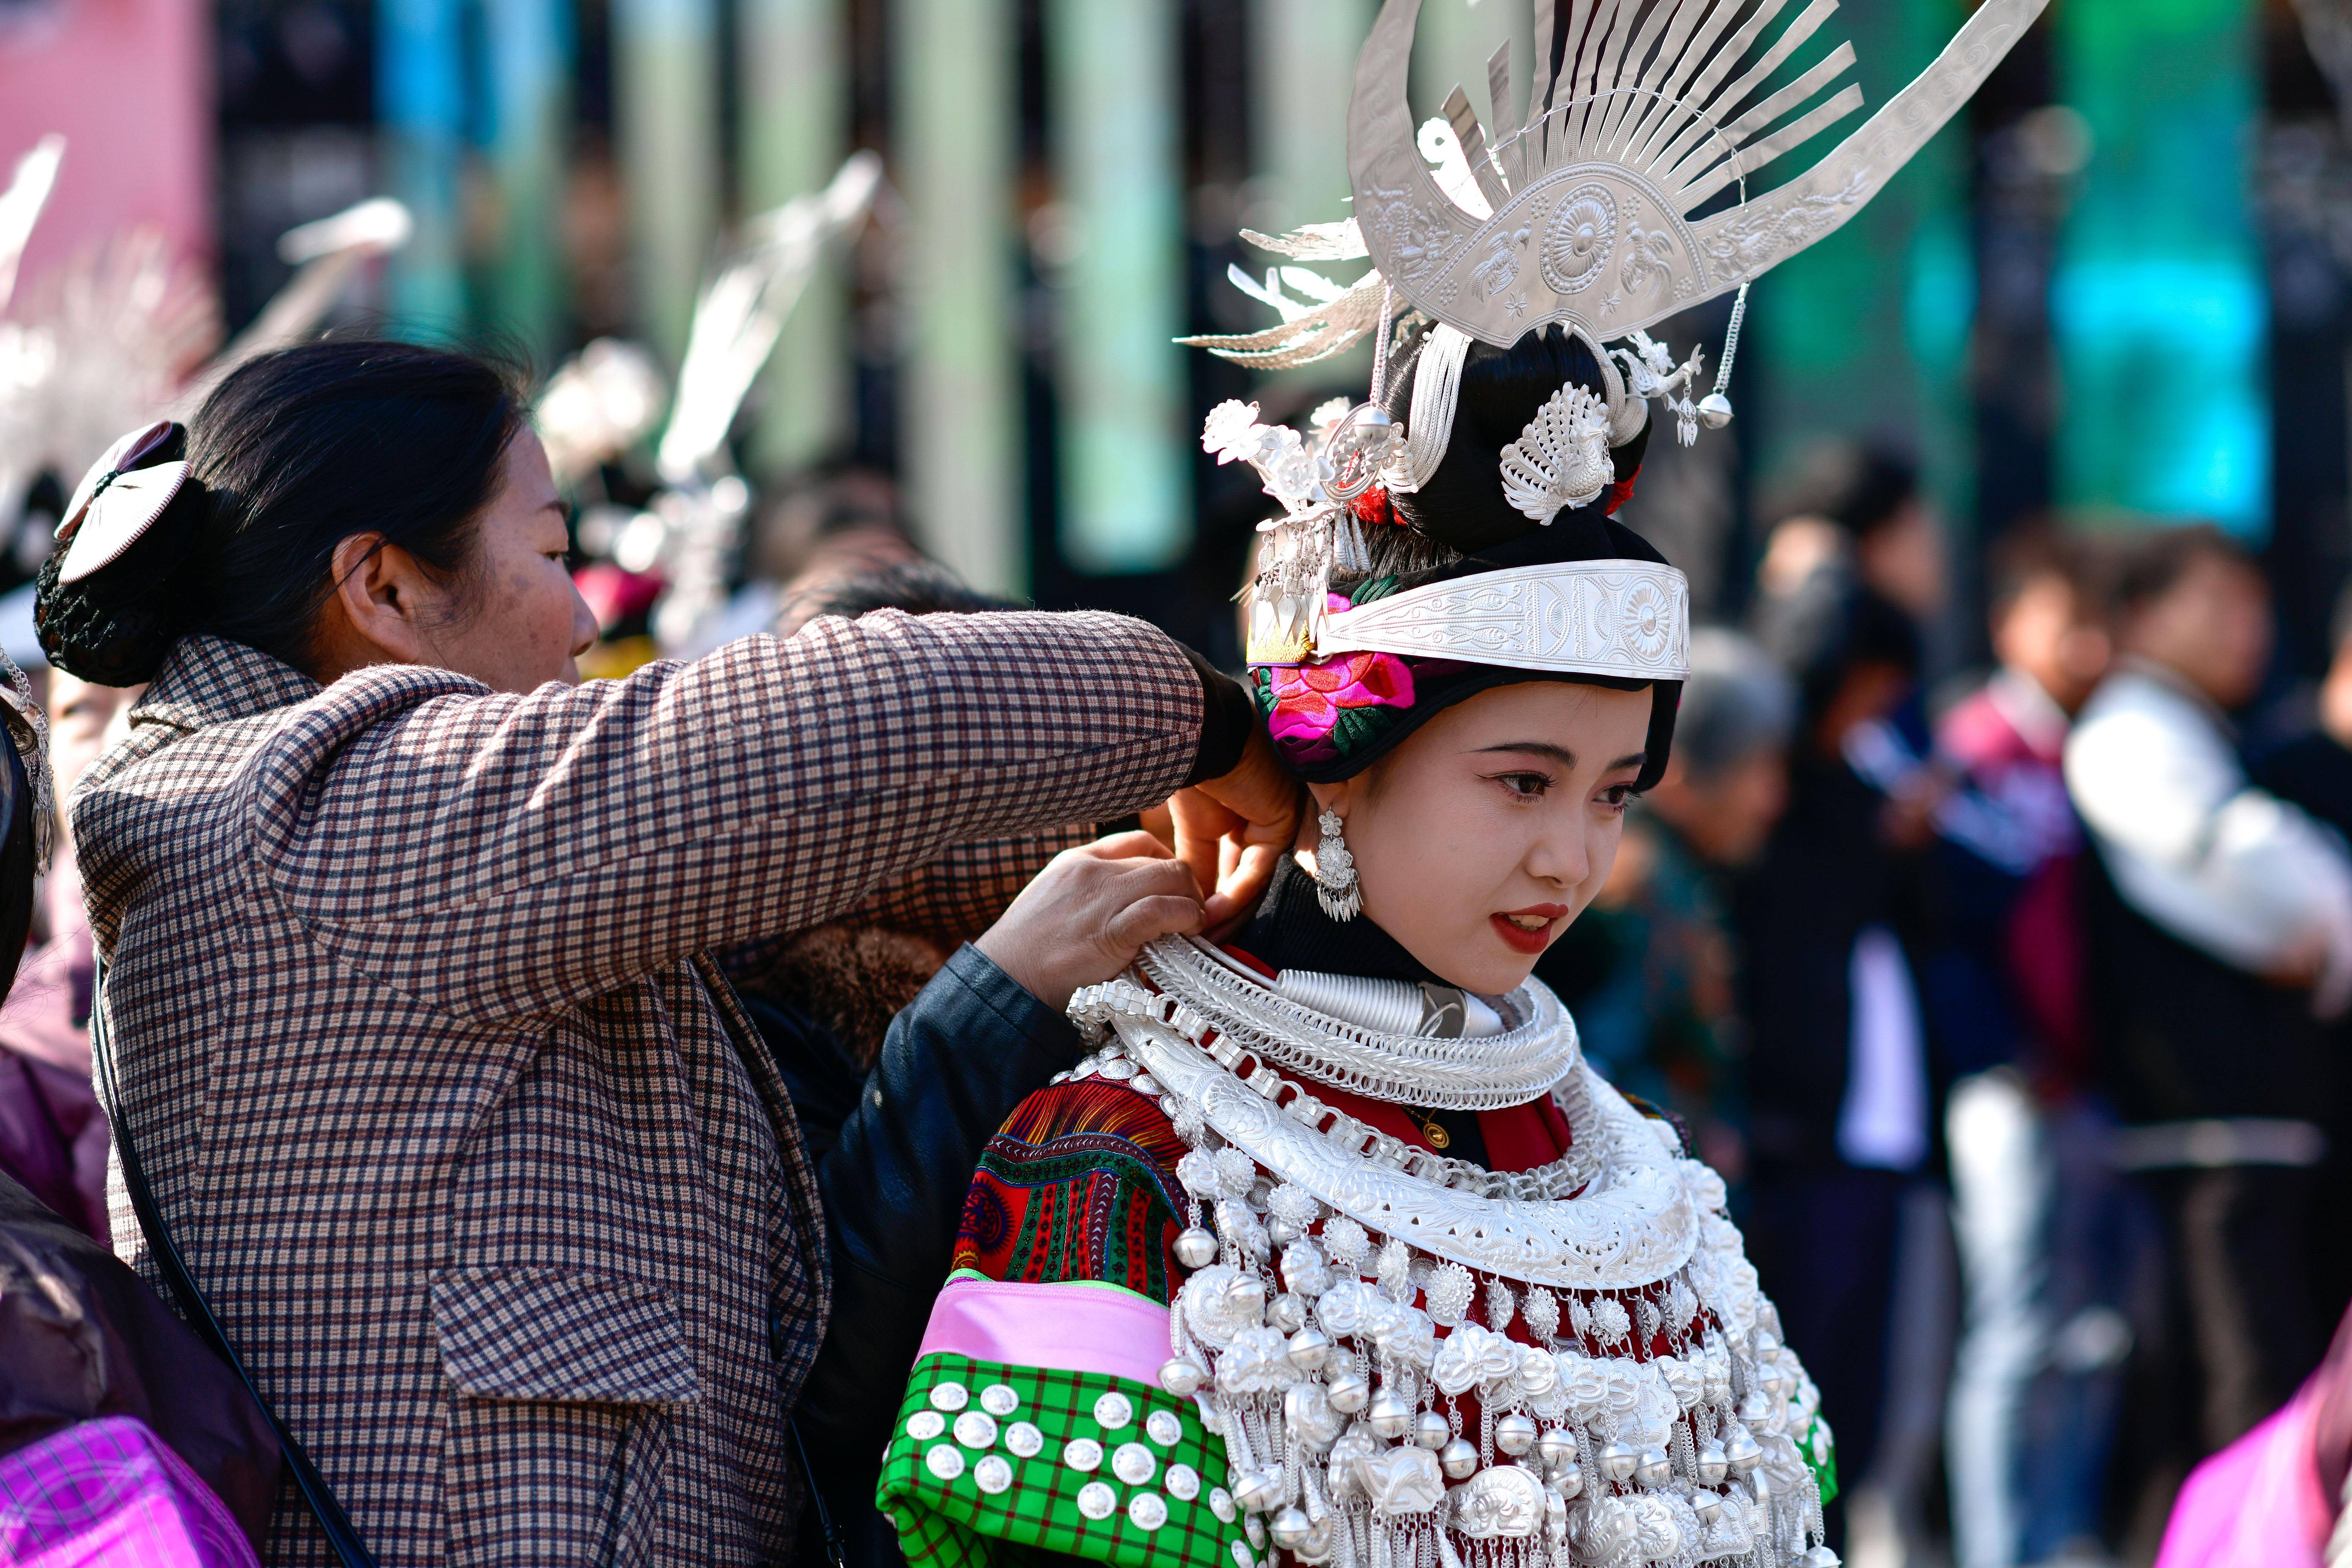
(1323, 1260)
(1484, 1072)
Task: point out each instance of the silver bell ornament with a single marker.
(1566, 1480)
(1196, 1248)
(1712, 1466)
(1458, 1458)
(1280, 1232)
(1653, 1470)
(1245, 1296)
(1287, 1314)
(1741, 1452)
(1616, 1462)
(1390, 1414)
(1309, 1349)
(1819, 1557)
(1555, 1447)
(1757, 1409)
(1258, 1490)
(1290, 1528)
(1707, 1505)
(1349, 1393)
(1515, 1434)
(1182, 1376)
(1715, 411)
(1432, 1430)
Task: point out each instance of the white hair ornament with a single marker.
(1561, 459)
(117, 501)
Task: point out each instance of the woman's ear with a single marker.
(382, 607)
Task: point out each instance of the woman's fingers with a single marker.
(1260, 791)
(1087, 912)
(1199, 823)
(1150, 919)
(1240, 888)
(1135, 846)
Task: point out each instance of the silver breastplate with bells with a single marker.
(1415, 1362)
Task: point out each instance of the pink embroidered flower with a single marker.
(1309, 698)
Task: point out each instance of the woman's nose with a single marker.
(583, 625)
(1562, 855)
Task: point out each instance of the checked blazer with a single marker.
(452, 1115)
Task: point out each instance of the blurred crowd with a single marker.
(2014, 1007)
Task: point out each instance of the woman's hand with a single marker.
(1234, 830)
(1084, 918)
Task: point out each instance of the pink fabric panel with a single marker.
(110, 1494)
(1069, 1328)
(2255, 1504)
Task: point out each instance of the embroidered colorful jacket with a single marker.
(1034, 1418)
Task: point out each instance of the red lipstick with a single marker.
(1520, 937)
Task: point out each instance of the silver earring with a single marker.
(1335, 871)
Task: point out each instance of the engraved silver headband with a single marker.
(1629, 618)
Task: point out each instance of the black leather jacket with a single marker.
(894, 1157)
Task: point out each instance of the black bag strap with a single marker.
(828, 1531)
(350, 1551)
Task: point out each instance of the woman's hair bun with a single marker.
(1462, 505)
(115, 626)
(292, 453)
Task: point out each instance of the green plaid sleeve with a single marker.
(988, 1460)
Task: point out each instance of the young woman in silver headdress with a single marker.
(1335, 1251)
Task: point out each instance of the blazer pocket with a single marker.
(556, 1334)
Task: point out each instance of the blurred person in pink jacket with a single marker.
(53, 1137)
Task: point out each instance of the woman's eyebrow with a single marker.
(1559, 755)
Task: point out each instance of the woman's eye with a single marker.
(1616, 795)
(1527, 786)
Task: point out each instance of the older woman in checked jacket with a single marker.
(465, 1138)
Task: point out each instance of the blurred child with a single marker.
(2027, 1427)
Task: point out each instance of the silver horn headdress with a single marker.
(1583, 214)
(1577, 209)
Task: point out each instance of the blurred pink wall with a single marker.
(129, 82)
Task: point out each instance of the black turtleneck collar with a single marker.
(1290, 930)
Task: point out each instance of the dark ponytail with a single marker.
(293, 453)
